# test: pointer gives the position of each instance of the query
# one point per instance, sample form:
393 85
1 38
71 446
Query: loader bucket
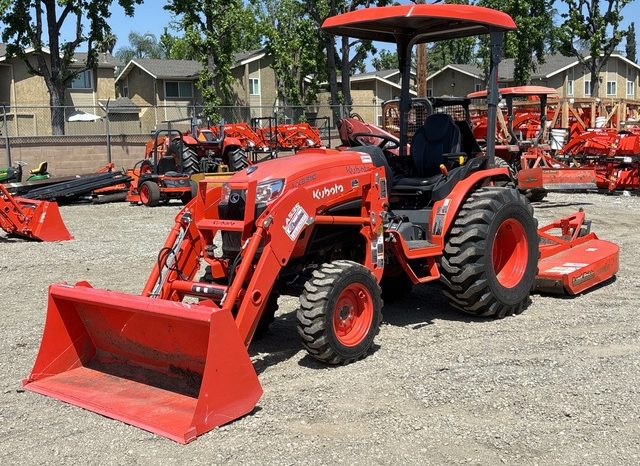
175 369
45 224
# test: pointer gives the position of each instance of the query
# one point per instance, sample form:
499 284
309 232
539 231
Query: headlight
310 143
226 192
251 144
267 191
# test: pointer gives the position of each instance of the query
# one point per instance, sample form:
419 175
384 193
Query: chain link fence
101 124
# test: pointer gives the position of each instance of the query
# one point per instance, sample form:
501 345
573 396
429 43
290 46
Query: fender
445 211
230 143
189 140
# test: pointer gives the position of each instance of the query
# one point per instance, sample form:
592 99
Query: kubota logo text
321 193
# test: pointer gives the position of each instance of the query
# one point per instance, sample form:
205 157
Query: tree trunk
595 82
56 100
333 78
346 75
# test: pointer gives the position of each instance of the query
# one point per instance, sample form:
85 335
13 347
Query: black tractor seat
438 186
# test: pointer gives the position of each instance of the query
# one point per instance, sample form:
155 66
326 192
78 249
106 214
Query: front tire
340 312
491 255
149 194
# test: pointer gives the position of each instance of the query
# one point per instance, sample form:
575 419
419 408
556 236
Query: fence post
5 125
108 132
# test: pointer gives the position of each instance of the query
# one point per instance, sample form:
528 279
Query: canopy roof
517 91
424 23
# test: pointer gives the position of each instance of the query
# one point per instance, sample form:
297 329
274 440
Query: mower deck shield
576 259
175 369
561 179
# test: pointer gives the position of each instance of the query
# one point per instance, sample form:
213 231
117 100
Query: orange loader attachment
174 369
37 220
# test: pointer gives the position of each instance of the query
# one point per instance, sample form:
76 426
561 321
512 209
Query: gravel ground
557 385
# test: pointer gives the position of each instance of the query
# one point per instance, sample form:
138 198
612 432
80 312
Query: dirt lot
559 384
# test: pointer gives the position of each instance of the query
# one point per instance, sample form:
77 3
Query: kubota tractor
202 150
161 177
328 226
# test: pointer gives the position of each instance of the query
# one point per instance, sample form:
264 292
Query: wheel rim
510 253
353 314
144 194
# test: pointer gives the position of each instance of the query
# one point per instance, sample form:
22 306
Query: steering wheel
385 139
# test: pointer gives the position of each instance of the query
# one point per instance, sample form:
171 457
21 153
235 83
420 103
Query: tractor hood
307 167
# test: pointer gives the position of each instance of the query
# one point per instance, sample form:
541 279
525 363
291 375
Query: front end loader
337 229
31 219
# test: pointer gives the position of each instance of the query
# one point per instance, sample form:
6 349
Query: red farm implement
31 219
332 227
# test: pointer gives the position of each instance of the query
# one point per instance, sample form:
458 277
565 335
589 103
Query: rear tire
237 159
340 312
491 255
149 194
189 157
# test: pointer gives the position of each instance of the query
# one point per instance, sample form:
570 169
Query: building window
125 91
82 81
430 92
611 88
254 86
630 88
587 88
570 87
478 87
178 89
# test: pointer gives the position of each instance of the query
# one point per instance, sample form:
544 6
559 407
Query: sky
151 17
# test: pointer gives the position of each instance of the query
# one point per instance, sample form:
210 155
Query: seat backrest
438 136
166 164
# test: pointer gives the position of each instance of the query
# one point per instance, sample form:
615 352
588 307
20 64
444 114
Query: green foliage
385 60
534 37
214 31
630 47
291 40
446 52
588 23
140 46
176 48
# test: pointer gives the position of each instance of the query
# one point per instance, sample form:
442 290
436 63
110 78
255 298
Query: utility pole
421 65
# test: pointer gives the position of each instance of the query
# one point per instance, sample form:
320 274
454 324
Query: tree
347 54
107 44
215 30
385 60
176 48
291 40
140 46
25 21
630 47
533 38
585 22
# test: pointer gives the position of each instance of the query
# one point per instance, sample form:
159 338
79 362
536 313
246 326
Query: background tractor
328 226
161 177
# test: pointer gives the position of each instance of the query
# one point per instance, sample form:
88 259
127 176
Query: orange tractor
205 150
328 226
161 177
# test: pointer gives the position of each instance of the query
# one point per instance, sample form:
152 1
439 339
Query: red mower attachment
38 220
576 260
